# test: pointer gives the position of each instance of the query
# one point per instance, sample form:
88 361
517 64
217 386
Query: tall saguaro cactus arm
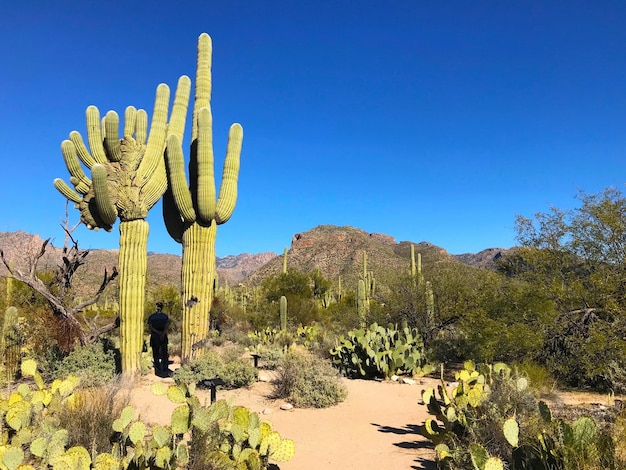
228 190
128 177
192 208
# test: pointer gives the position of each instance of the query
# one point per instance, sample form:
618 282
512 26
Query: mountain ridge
334 250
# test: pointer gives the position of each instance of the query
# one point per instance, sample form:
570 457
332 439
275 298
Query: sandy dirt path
374 428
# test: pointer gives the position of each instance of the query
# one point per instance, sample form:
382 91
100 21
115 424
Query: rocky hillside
20 247
338 251
483 259
335 251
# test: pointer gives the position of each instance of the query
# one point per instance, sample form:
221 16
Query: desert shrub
538 375
618 432
270 355
235 371
91 364
208 366
316 339
587 350
239 373
217 338
308 382
90 421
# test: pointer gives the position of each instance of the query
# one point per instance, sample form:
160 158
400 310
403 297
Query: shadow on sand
419 443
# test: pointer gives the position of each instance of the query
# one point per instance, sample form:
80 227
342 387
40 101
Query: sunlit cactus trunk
198 274
133 263
283 313
192 209
11 342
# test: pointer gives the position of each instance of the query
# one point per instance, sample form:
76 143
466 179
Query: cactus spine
127 178
283 313
192 213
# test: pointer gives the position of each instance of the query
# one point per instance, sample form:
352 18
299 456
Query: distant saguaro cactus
285 261
128 177
283 313
192 213
11 346
362 302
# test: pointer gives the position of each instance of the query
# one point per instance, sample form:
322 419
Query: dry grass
89 424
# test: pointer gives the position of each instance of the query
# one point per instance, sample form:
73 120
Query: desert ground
376 427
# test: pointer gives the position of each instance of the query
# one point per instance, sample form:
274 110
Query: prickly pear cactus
381 352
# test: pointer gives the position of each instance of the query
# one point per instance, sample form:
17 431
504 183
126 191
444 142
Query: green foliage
11 343
208 366
270 355
292 285
169 295
92 364
89 421
491 415
296 288
381 352
283 312
587 349
308 382
239 373
235 371
575 261
34 436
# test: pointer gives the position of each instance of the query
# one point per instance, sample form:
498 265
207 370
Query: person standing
159 323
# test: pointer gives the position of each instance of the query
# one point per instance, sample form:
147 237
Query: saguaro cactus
192 213
285 261
11 346
362 302
368 278
416 267
128 177
283 313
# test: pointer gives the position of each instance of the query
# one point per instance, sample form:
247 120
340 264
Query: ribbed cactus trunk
11 343
133 263
198 274
430 305
283 313
361 302
9 293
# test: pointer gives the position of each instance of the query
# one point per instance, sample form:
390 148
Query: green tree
297 288
575 260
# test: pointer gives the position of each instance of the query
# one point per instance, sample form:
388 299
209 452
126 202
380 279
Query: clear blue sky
425 120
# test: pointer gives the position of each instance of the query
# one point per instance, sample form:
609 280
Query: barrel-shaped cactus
127 177
192 211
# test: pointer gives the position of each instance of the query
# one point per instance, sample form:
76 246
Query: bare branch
73 257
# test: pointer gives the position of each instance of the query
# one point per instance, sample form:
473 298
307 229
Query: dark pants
159 352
